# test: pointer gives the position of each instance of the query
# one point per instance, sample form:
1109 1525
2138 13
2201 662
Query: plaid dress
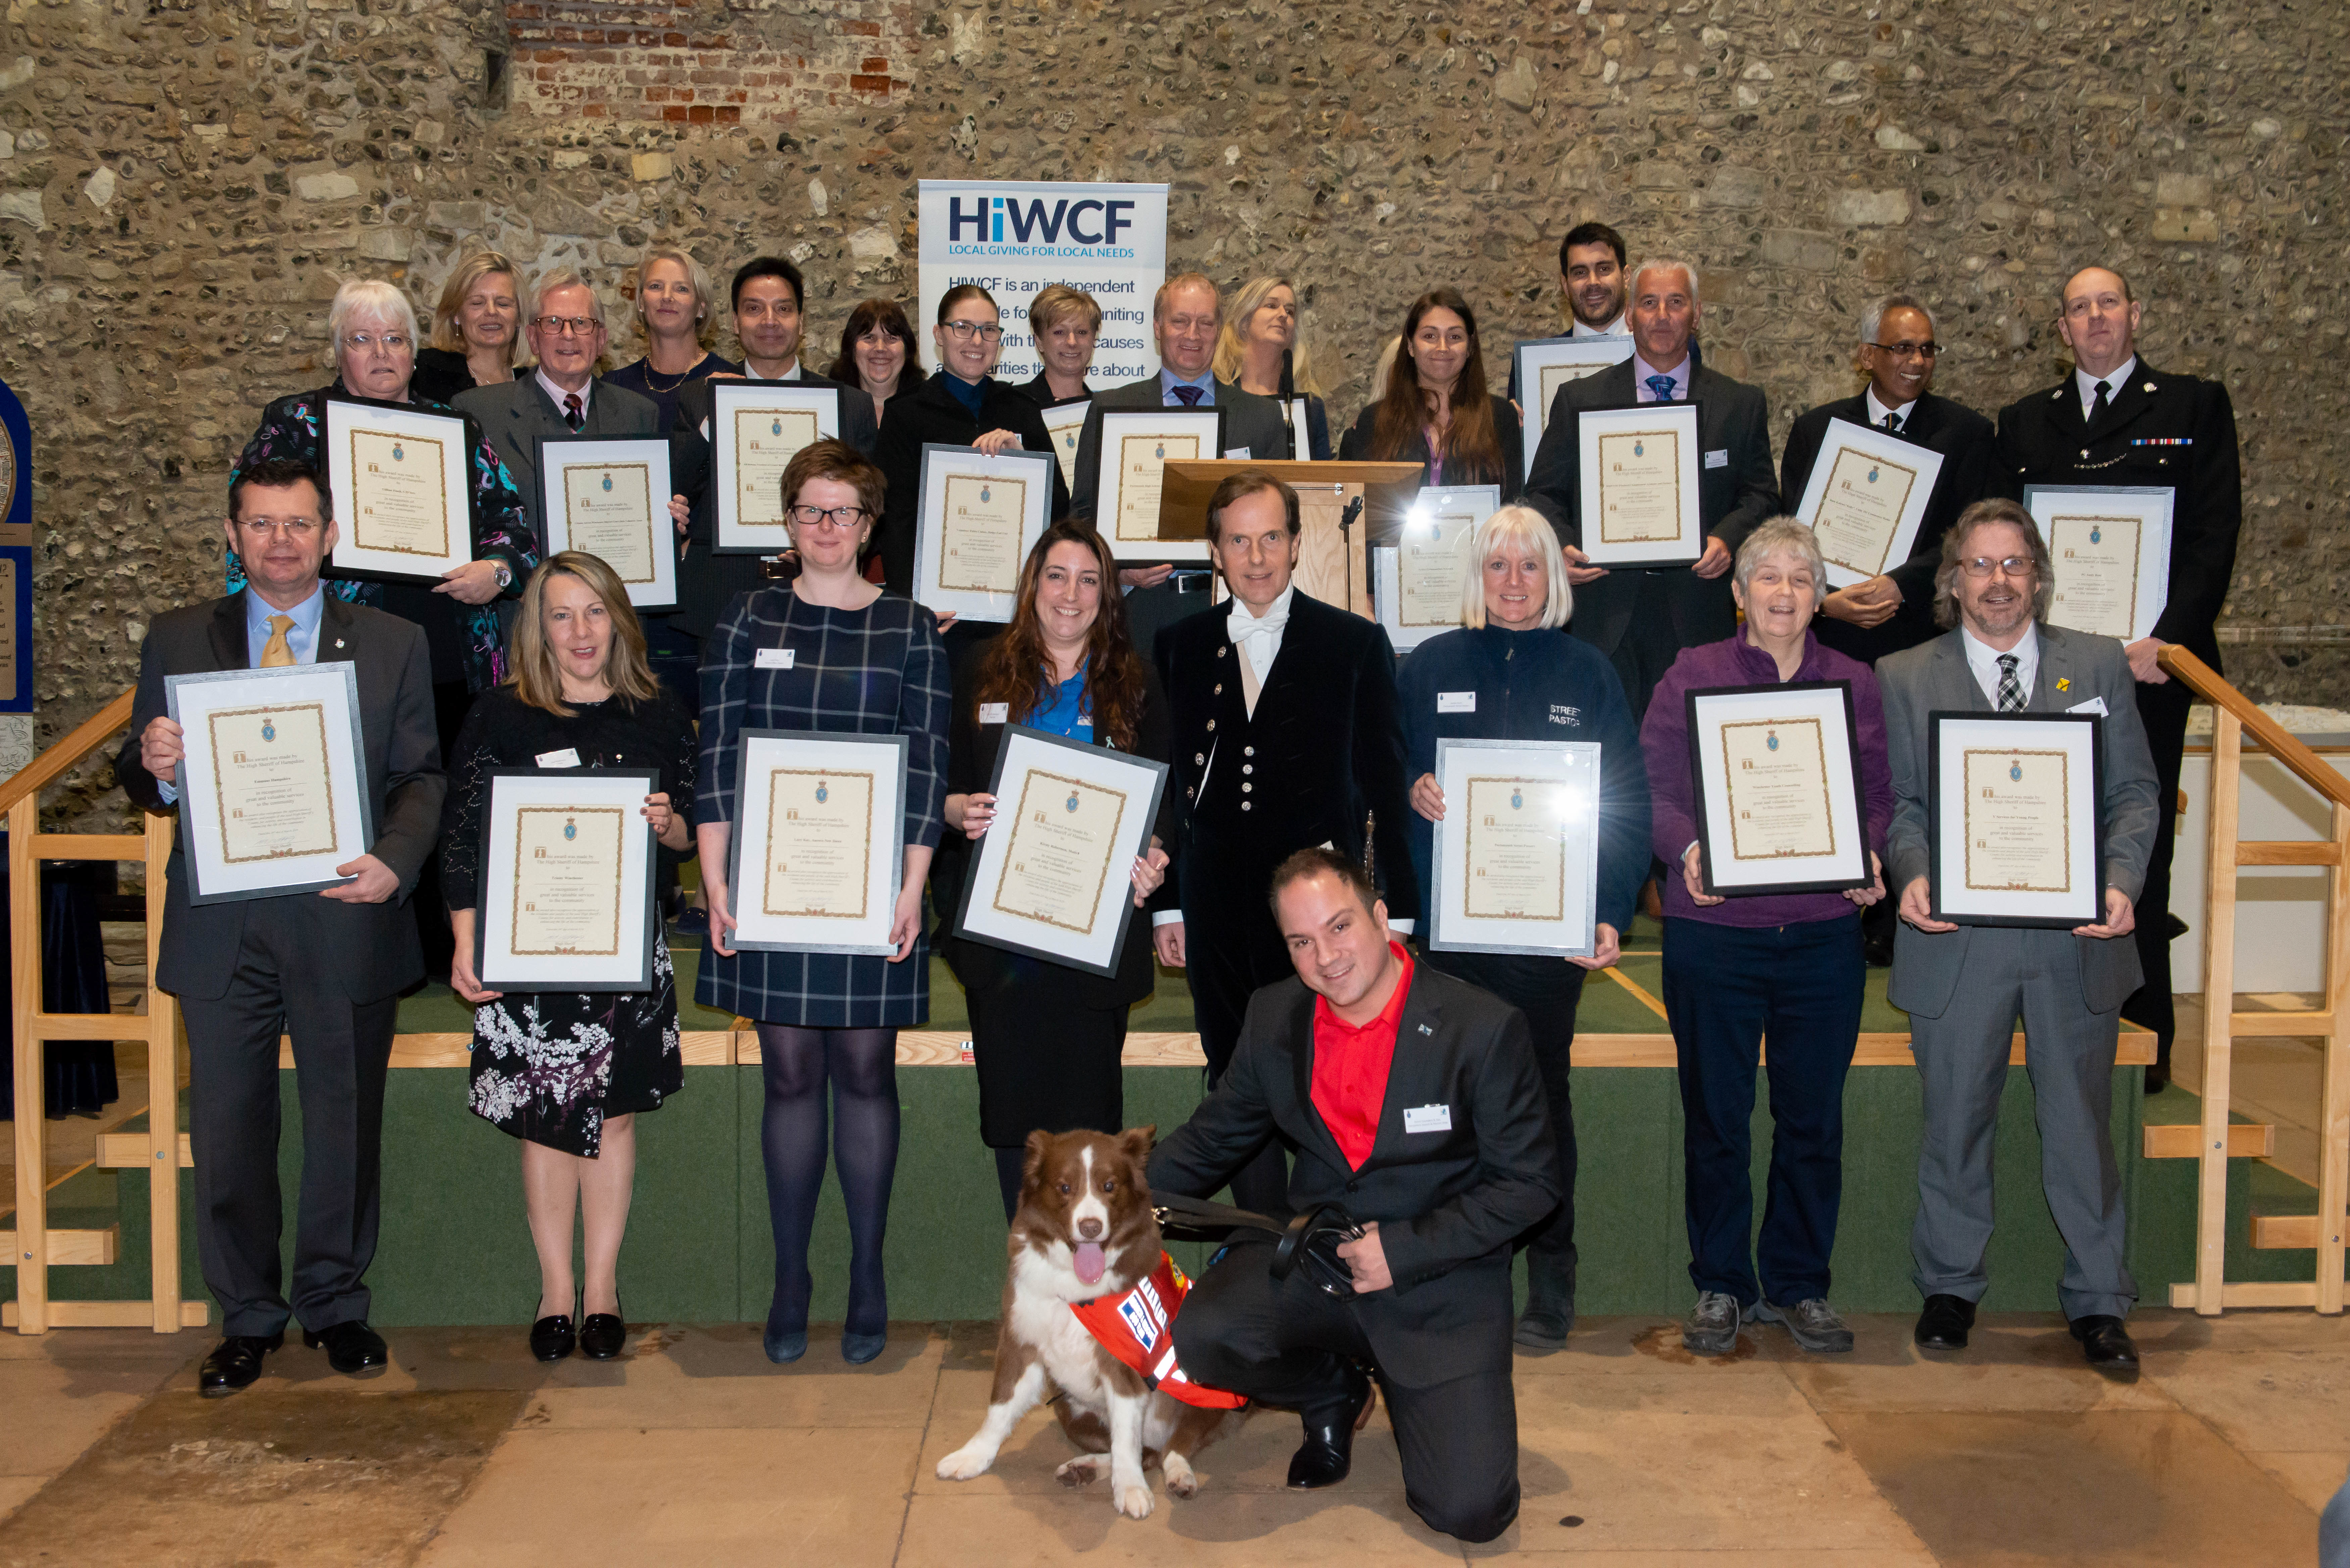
881 671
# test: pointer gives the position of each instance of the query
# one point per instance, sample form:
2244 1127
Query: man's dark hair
1315 862
768 267
277 474
1243 482
1594 233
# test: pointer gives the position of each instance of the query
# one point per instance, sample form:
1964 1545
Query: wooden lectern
1332 565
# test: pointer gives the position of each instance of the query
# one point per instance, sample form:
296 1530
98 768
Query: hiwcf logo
993 219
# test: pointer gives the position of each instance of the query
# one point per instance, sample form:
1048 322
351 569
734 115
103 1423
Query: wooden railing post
32 1251
2218 1009
162 1097
2333 1149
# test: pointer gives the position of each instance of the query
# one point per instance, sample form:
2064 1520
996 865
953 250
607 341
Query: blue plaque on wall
16 558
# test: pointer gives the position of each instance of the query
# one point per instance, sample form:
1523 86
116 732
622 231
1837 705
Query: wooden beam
132 1150
28 1245
2334 1083
2277 1025
167 1313
114 1314
2219 981
2273 737
2286 852
2245 1141
90 846
2246 1294
84 1025
2285 1232
77 1247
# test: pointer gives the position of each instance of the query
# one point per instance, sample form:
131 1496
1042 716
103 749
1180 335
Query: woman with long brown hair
1436 410
877 353
1048 1039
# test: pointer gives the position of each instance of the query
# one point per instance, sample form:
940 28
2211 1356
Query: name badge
1427 1118
772 659
1236 454
1718 459
1456 701
996 712
568 757
2094 705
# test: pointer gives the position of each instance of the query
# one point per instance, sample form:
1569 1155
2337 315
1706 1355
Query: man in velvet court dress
325 968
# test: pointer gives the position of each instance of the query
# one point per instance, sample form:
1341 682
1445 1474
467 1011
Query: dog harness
1136 1327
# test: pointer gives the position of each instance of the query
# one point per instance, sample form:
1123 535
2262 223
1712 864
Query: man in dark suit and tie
325 968
1286 734
1964 985
1642 618
1413 1101
2118 420
1185 317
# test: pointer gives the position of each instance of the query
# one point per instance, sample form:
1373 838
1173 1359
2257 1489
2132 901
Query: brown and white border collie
1084 1230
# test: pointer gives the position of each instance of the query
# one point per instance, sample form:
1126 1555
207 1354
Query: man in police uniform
2118 420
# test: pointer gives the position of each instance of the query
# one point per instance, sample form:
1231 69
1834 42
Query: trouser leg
1279 1342
1459 1442
2163 708
1962 1067
232 1132
1716 992
1814 1023
1227 963
342 1052
2069 1055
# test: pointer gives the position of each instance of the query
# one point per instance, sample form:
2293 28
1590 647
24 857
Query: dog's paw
1081 1472
1183 1480
1134 1499
965 1462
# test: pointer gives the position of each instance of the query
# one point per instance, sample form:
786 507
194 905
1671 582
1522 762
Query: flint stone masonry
1808 155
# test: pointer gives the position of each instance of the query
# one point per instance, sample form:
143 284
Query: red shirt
1350 1068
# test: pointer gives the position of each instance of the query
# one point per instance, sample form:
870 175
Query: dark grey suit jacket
2076 668
1732 500
516 415
370 948
1250 420
1448 1200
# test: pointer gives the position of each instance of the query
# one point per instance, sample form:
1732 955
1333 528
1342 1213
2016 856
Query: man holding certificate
1963 983
326 968
2118 421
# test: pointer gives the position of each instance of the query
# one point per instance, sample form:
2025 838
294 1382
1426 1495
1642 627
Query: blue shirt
968 393
302 636
1065 714
1169 380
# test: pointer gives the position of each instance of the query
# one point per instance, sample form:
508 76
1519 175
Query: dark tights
862 1066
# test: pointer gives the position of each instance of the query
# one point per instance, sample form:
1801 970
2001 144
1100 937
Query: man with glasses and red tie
2118 420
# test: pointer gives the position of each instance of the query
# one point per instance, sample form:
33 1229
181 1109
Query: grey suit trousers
1962 1058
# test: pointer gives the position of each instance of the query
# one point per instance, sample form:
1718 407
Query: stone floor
695 1450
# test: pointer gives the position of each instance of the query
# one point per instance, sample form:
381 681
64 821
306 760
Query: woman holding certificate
829 652
1510 674
1785 964
1047 1038
1436 410
566 1071
1261 329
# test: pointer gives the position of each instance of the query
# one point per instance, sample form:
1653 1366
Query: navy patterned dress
881 671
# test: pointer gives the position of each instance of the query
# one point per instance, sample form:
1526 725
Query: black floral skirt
549 1066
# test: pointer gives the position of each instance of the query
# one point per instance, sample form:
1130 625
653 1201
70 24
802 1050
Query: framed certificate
1640 484
2111 549
818 851
1051 876
1775 779
980 517
1416 575
400 481
1516 866
2013 818
1546 364
1136 444
756 427
609 496
566 897
1865 500
273 789
1066 424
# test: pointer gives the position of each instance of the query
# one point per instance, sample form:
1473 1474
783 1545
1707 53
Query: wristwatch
505 575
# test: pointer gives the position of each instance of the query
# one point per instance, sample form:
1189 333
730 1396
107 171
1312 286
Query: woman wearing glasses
964 405
830 652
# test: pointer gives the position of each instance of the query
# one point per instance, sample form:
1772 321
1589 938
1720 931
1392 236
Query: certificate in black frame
1698 728
646 782
2095 723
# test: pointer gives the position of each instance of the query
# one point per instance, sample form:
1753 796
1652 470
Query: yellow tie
275 654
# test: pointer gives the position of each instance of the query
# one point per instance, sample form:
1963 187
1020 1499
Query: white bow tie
1241 626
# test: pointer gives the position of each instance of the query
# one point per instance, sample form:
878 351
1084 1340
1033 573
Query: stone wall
183 181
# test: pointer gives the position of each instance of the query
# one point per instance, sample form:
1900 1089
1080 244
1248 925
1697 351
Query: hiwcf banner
1015 238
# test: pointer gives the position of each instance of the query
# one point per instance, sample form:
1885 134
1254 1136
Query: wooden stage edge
947 1048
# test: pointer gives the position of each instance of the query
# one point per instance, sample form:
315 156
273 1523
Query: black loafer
601 1335
552 1337
352 1348
2106 1343
1944 1323
234 1363
1328 1451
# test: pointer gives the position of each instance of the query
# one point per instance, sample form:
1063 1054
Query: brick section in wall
741 62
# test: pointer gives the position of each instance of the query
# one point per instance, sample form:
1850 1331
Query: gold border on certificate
241 779
1041 817
1738 757
1151 470
1611 441
573 472
2060 552
433 510
1443 607
1017 509
765 471
2016 795
780 811
1822 519
1489 812
1065 423
571 831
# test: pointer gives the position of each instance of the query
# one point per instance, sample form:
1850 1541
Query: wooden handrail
51 764
2278 741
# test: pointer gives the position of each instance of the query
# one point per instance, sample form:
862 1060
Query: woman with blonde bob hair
566 1071
1264 319
476 328
1524 679
673 310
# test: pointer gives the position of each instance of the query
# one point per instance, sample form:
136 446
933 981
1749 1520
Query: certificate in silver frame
399 480
756 427
1866 471
1147 438
998 508
1540 828
2110 549
1652 514
531 816
607 496
847 790
1546 364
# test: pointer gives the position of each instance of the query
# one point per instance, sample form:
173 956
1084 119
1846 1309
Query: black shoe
352 1348
552 1337
2157 1078
1943 1324
234 1363
1328 1451
2106 1343
1544 1325
602 1334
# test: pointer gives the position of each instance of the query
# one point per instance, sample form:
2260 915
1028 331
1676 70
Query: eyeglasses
963 330
566 326
1981 566
1925 350
834 516
295 528
390 342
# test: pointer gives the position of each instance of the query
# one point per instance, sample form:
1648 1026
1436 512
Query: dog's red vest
1136 1328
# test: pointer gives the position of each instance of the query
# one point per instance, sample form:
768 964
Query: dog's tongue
1091 1262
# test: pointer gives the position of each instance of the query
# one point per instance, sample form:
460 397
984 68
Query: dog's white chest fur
1072 1357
